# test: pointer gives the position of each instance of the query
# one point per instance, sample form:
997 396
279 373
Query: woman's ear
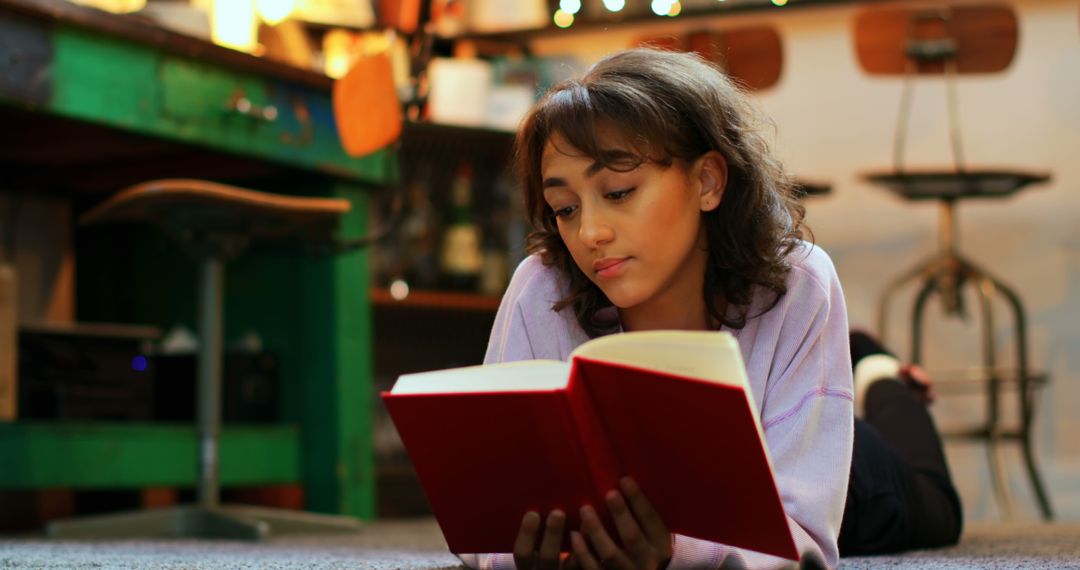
712 179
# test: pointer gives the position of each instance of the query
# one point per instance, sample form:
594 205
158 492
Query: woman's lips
609 266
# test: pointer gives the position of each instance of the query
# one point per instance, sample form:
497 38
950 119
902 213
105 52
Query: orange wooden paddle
366 105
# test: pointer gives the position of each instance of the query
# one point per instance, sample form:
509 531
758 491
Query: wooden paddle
366 105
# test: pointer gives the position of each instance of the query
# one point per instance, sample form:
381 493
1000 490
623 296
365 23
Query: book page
712 356
525 376
706 355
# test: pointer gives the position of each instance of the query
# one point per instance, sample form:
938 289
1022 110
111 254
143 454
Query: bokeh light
563 19
614 5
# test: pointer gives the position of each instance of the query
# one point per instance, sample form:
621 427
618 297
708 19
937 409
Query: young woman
657 205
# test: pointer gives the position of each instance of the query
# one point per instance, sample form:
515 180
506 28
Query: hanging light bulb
614 5
563 19
570 6
233 24
661 7
274 12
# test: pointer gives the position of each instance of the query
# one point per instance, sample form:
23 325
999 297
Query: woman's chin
621 298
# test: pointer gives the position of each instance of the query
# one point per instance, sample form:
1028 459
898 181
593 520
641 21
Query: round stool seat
953 185
219 219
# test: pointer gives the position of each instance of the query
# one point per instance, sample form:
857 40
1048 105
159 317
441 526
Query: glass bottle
461 258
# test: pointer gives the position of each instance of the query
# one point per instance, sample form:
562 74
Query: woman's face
637 234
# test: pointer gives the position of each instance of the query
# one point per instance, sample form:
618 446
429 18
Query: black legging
901 496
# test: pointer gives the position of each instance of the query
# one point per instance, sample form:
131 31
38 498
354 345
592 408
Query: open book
672 409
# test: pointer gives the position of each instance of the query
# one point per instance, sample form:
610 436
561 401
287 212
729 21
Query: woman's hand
529 556
645 538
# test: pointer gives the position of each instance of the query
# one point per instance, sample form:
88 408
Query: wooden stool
946 273
214 223
949 41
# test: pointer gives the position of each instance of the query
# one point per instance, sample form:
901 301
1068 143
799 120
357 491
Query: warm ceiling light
780 2
563 19
233 24
676 9
570 6
274 12
114 6
614 5
661 7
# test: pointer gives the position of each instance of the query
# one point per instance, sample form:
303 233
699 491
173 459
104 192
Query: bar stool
214 223
934 41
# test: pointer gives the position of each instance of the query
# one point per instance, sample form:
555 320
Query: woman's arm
807 416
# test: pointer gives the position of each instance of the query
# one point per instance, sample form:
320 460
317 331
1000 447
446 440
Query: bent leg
900 496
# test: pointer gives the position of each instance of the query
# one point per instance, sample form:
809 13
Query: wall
835 122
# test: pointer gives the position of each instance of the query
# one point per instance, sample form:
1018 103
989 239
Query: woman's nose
595 229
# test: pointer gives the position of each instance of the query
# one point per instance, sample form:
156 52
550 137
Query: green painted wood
124 84
313 313
104 455
339 469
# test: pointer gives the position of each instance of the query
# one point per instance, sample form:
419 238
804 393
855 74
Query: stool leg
984 287
1027 410
925 268
209 380
916 320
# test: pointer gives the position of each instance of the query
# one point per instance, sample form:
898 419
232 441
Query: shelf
441 300
115 455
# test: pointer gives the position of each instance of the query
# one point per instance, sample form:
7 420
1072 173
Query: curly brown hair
672 106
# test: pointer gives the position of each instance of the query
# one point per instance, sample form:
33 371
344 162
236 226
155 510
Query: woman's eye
564 212
619 195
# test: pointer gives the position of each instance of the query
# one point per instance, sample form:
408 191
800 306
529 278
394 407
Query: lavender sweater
799 367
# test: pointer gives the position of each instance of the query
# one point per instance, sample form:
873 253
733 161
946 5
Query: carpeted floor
418 545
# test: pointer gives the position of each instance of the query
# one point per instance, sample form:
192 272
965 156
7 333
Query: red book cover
488 456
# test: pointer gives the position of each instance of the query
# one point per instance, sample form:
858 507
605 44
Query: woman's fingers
633 539
607 554
656 532
581 554
525 543
551 544
526 554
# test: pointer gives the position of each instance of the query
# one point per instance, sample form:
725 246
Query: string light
564 16
614 5
661 7
563 19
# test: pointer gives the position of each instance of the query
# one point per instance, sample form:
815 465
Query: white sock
870 369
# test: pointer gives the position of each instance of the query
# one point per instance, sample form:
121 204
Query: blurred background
98 326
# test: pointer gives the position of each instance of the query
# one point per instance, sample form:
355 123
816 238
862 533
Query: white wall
834 122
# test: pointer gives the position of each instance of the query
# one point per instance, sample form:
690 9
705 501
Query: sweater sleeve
807 417
526 327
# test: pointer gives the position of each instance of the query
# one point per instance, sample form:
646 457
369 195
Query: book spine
604 465
8 343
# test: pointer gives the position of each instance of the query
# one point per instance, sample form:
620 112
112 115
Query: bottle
419 237
496 270
461 259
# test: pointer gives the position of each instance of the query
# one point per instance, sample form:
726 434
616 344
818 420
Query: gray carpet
418 545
